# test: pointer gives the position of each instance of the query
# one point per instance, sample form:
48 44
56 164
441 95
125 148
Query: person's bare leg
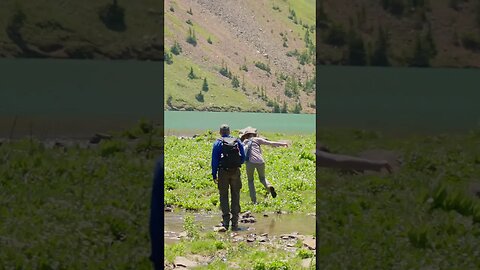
329 160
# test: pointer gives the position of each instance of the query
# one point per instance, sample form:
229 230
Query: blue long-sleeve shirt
156 216
217 153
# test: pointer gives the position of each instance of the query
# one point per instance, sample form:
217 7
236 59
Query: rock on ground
184 262
310 243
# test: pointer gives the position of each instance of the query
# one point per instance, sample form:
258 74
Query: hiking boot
235 226
223 224
272 191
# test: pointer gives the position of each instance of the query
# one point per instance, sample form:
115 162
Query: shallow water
398 99
273 224
75 98
191 122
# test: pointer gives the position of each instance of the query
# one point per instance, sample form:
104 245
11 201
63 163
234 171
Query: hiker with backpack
227 157
255 161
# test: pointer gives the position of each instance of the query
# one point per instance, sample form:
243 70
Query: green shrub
190 227
225 72
418 237
168 58
291 87
199 97
293 53
109 148
303 58
235 82
305 253
146 127
176 48
263 66
278 265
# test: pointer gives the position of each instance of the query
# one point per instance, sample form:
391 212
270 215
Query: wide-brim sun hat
248 130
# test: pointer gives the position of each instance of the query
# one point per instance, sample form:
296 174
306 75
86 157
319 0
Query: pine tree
199 97
276 107
191 75
357 55
168 58
176 48
421 55
235 82
379 57
298 108
285 107
430 42
192 39
205 85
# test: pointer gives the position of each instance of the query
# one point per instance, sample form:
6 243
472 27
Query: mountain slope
421 33
247 38
86 29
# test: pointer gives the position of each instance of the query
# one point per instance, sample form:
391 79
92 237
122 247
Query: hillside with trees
415 33
106 29
256 56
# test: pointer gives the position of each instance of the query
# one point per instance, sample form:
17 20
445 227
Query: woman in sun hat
254 159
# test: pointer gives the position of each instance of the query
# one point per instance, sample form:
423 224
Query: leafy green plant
108 148
190 226
305 253
419 237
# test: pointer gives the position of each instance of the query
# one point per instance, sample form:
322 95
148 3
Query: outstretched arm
271 143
